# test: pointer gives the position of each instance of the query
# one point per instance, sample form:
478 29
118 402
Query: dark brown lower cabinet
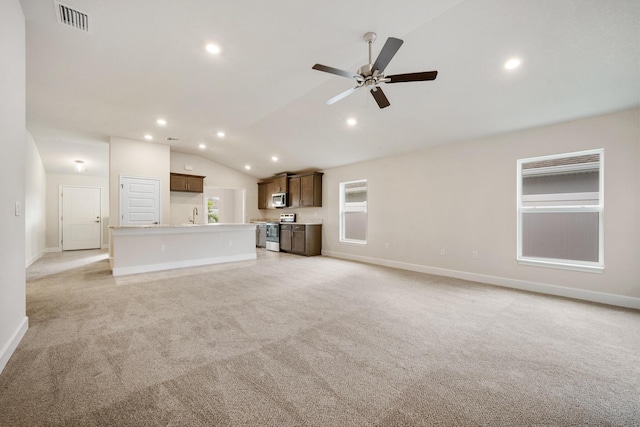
286 231
301 239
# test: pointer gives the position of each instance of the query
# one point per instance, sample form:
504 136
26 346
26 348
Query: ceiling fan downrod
370 37
366 71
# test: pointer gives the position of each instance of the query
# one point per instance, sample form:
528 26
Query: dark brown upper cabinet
305 190
186 183
262 195
280 183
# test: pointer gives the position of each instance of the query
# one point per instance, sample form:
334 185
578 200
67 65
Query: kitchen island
144 248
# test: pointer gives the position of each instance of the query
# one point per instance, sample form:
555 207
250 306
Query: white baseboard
34 259
544 288
8 349
58 249
121 271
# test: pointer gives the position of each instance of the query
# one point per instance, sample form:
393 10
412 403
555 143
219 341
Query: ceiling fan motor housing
366 71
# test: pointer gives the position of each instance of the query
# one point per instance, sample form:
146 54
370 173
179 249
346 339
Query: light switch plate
18 208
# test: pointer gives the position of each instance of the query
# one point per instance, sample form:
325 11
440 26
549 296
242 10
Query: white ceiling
145 59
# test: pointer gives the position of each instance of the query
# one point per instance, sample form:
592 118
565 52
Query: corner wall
34 203
139 159
462 197
13 139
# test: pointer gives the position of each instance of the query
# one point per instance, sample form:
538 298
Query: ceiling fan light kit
372 74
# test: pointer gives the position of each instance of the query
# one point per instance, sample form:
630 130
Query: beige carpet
294 341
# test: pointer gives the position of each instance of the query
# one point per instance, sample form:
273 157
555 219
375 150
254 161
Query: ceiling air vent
72 17
172 139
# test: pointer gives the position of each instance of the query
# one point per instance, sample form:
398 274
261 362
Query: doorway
139 200
224 205
80 218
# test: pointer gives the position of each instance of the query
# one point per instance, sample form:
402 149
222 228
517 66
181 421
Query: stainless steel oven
273 236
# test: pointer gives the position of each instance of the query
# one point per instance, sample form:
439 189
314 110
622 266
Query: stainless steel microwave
279 200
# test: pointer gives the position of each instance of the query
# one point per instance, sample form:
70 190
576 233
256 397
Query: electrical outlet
162 248
230 242
386 245
443 252
475 254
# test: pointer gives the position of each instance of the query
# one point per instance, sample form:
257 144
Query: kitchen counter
186 225
145 248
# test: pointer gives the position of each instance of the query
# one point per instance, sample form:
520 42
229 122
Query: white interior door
139 201
81 218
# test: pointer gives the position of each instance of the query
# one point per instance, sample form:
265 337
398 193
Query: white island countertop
145 248
121 227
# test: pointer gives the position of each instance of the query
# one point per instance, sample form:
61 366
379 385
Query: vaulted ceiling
144 60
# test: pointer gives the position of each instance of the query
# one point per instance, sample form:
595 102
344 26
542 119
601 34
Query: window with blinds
353 212
560 211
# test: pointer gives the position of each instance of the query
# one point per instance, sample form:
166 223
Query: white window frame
353 207
586 266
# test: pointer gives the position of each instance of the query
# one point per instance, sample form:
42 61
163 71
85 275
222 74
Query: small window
213 213
560 211
353 212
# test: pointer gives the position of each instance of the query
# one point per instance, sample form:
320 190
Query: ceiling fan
372 74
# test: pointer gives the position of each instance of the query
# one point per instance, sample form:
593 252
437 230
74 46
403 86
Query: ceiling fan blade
336 71
387 53
412 77
344 94
380 98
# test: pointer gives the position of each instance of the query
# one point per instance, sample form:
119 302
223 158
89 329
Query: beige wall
138 159
35 201
54 181
13 138
462 197
218 176
182 205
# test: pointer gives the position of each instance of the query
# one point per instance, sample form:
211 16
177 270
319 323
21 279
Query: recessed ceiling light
220 134
202 146
148 137
212 48
513 63
247 167
274 158
161 122
352 122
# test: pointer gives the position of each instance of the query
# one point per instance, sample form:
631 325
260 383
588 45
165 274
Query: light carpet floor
293 341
